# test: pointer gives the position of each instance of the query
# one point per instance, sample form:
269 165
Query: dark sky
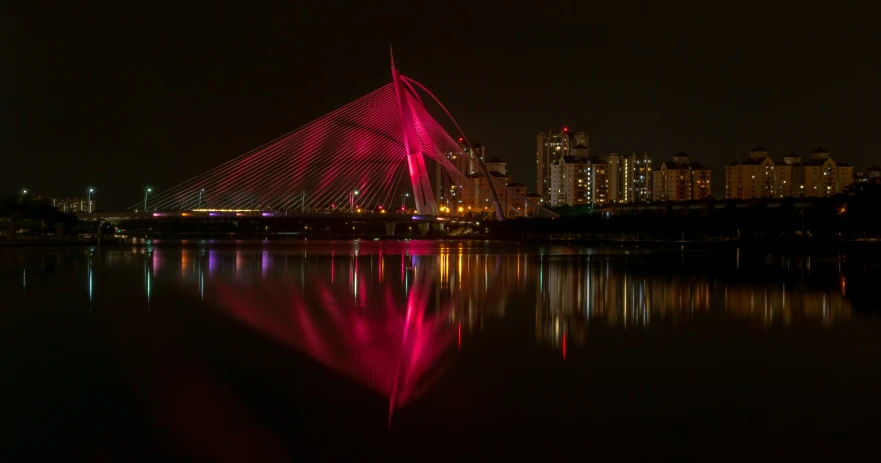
123 94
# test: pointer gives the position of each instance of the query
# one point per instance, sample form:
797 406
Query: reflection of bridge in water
390 320
391 314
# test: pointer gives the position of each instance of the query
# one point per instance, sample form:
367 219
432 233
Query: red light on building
566 129
461 139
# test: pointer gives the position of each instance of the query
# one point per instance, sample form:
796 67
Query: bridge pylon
425 202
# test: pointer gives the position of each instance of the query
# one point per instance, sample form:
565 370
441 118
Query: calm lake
422 350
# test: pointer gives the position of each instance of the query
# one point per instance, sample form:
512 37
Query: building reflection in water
773 304
391 315
575 291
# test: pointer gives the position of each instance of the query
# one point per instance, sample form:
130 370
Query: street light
24 191
91 190
146 191
405 195
352 200
200 197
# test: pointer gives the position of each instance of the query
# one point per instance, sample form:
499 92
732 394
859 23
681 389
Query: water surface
435 349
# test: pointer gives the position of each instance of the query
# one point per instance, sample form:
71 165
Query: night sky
124 94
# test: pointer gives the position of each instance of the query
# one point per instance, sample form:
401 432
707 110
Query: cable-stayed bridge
353 159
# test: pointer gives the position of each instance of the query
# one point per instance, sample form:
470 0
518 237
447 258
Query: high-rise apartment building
551 147
570 182
755 177
477 197
600 181
465 160
583 179
630 177
700 180
580 180
680 180
617 177
641 165
761 177
820 176
448 192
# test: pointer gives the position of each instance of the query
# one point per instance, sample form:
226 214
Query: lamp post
200 197
91 190
24 191
403 206
352 200
146 191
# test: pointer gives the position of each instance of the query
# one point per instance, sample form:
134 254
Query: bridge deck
362 216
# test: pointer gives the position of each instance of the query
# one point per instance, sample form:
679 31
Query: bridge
355 158
390 220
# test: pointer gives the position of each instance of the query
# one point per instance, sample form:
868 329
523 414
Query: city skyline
627 184
257 231
168 84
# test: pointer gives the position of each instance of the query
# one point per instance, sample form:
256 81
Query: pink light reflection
388 342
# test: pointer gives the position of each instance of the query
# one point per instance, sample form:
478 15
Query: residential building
630 177
496 165
517 200
467 164
617 177
477 198
74 205
759 176
580 180
680 180
448 191
700 176
570 182
551 147
820 176
640 188
783 179
750 178
599 173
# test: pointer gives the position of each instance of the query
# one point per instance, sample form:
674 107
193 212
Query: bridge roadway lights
390 228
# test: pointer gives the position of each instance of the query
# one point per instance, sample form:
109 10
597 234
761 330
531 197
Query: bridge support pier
423 228
390 229
439 226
